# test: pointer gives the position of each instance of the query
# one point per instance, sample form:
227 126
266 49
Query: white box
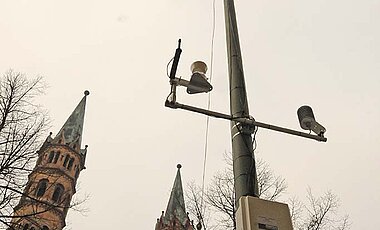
257 214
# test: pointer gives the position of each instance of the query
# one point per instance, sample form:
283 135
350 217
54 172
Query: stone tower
175 217
51 184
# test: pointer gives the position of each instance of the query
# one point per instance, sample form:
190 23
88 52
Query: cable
208 106
254 141
167 67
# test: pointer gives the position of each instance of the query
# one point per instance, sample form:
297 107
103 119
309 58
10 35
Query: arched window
66 160
45 228
58 193
51 156
56 157
26 226
41 187
70 163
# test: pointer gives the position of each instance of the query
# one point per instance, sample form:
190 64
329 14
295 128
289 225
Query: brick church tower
175 217
51 184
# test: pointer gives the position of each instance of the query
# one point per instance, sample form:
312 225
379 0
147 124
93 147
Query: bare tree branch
319 213
220 196
23 125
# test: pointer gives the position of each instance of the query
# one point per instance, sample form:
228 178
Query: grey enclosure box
257 214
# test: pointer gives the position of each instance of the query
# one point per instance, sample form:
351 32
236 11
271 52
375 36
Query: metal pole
244 166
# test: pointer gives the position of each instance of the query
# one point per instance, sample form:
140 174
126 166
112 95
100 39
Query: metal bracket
245 128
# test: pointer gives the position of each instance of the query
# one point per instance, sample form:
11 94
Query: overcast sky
322 53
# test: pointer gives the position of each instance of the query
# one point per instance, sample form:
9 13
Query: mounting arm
247 121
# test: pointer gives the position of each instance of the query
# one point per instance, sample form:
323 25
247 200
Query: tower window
45 228
70 163
57 154
66 160
51 156
58 193
41 187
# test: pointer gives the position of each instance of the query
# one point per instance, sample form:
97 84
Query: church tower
175 217
51 184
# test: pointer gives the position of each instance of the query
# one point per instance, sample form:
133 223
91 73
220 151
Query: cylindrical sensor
199 66
305 117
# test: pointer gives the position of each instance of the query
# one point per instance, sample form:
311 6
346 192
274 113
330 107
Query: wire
208 106
252 157
167 67
254 141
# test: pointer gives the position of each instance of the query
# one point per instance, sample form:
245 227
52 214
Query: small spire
48 140
71 131
176 205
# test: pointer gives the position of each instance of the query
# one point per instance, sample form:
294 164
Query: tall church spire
71 131
175 217
176 205
52 183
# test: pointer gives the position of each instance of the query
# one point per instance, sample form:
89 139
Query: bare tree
319 213
271 186
219 197
195 205
22 124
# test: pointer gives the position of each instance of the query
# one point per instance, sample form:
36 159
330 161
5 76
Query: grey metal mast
244 166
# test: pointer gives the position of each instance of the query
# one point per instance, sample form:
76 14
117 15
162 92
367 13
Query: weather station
252 213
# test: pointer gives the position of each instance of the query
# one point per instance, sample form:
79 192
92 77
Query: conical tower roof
176 206
71 131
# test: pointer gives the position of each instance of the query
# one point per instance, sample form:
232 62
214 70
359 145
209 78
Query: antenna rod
177 55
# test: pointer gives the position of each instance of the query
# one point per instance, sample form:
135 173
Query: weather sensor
307 120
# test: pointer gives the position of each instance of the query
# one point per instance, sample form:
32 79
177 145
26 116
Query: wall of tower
51 185
48 218
50 188
61 157
174 224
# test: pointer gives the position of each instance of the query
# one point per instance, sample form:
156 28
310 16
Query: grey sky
322 53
